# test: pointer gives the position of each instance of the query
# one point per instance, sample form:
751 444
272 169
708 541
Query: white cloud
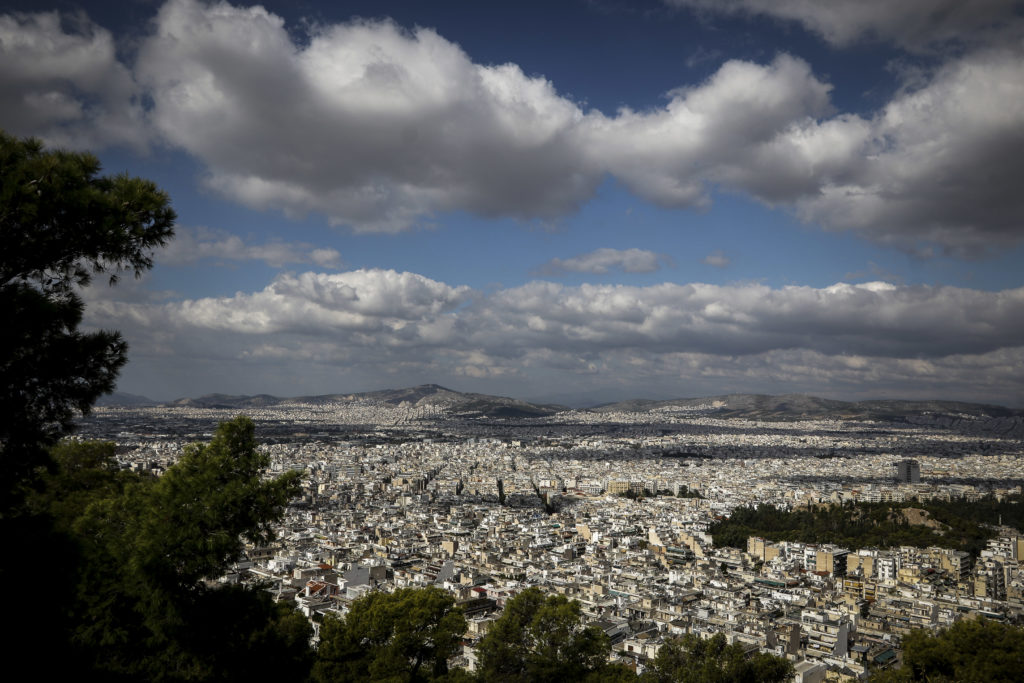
708 133
601 261
941 163
191 245
367 123
398 306
377 127
64 84
872 318
912 24
843 338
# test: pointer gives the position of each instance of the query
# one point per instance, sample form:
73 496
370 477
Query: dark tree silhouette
61 223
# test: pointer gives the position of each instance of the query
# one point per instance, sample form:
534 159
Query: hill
969 417
470 404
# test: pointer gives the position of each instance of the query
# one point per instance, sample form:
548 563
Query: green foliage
60 223
872 524
193 518
408 635
144 546
125 554
970 650
612 673
691 659
84 471
540 638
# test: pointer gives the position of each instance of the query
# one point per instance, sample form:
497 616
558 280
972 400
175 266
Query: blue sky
575 201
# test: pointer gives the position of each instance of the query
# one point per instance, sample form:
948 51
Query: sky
574 202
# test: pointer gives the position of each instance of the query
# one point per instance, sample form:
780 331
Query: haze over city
573 202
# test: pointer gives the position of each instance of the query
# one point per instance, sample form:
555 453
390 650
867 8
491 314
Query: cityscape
589 341
613 508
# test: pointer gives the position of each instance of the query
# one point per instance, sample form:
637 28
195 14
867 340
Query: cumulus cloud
940 164
377 127
710 133
601 261
60 80
191 245
872 318
399 306
845 337
369 124
875 272
911 24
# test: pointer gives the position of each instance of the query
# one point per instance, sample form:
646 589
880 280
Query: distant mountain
457 401
228 401
426 394
796 405
122 400
967 417
954 414
740 405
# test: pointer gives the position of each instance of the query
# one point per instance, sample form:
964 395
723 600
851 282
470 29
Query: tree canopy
691 659
541 638
61 222
408 635
141 608
966 524
123 595
969 650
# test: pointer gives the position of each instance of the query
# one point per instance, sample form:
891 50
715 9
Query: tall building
908 472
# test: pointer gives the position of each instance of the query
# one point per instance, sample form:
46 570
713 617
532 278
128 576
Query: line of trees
969 650
966 525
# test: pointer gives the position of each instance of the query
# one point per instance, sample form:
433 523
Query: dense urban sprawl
613 509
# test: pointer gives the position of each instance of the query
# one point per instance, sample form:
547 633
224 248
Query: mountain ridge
751 406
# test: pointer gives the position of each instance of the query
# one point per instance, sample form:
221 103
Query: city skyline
596 202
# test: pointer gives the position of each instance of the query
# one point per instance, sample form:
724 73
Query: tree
691 659
540 638
60 224
126 553
969 650
142 608
408 635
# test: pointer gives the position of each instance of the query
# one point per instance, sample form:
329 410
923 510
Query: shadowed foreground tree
691 659
408 635
541 638
122 594
60 224
142 609
969 650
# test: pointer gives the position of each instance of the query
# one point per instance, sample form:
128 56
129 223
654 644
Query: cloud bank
378 128
862 339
